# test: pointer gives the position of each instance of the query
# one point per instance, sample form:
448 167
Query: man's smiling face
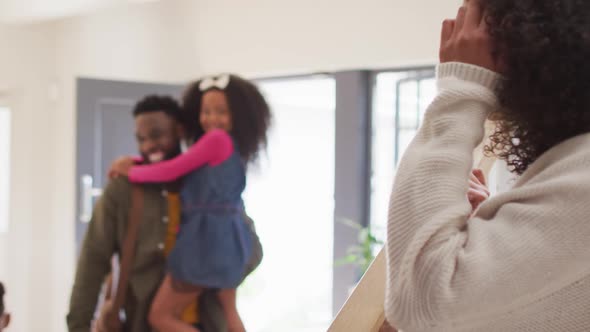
158 136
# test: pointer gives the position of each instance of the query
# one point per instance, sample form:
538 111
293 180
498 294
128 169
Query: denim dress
213 243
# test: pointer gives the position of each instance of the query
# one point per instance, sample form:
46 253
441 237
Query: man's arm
95 259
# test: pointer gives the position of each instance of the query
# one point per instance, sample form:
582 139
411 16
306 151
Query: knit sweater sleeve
446 271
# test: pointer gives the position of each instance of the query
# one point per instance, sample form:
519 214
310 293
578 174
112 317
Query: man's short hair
157 103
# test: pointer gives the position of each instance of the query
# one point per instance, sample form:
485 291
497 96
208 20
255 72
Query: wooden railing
363 311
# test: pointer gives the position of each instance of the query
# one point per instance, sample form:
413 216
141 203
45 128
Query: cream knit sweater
522 263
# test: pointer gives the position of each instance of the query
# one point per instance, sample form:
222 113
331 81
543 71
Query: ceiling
32 11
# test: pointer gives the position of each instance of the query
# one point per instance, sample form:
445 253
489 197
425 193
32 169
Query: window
400 100
4 168
290 196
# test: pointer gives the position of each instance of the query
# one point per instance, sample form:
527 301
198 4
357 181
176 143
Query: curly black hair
251 116
157 103
544 51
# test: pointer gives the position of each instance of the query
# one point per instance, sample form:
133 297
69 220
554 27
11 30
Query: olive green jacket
104 238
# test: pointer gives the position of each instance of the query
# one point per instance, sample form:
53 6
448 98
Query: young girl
228 118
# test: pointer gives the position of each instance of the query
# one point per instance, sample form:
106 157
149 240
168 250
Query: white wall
23 11
176 40
26 251
269 36
166 41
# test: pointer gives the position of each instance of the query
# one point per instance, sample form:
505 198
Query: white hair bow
220 83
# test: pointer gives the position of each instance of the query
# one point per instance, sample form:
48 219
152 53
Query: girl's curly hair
251 115
543 47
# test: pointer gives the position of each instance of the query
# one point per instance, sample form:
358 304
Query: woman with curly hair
521 261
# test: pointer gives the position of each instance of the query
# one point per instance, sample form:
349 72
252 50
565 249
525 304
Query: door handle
88 193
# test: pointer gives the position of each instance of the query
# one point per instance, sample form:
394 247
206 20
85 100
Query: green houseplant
361 254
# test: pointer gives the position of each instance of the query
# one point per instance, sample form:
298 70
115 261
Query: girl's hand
466 39
121 166
478 190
